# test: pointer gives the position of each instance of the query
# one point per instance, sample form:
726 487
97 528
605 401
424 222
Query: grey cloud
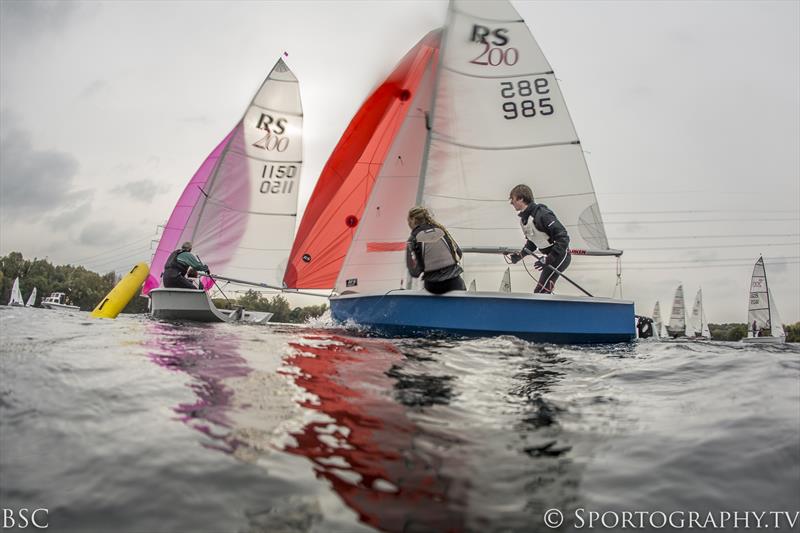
70 217
143 190
102 234
32 180
94 89
31 19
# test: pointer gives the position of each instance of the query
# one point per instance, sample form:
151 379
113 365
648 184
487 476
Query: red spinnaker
340 196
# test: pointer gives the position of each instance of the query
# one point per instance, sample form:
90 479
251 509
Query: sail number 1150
278 179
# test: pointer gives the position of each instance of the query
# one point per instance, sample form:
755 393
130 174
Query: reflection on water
418 435
210 358
368 448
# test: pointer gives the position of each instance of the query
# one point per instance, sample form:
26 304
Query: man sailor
180 266
543 231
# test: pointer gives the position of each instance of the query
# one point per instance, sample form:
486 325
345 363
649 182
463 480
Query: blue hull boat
535 317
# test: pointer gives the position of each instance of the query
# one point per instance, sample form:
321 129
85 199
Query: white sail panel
498 124
463 193
245 226
776 325
31 299
657 321
376 258
16 295
490 33
758 307
698 323
677 318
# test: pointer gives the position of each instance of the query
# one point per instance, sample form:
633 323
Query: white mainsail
489 116
699 324
761 310
16 295
239 209
500 120
657 321
505 284
31 299
677 319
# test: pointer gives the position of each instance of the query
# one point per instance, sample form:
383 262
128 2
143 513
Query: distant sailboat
505 285
677 319
699 324
658 323
31 299
763 321
239 208
472 286
16 296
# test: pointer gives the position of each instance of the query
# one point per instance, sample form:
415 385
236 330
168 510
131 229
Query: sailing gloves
515 257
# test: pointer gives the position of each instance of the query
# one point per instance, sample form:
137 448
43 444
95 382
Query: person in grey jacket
432 253
542 231
180 265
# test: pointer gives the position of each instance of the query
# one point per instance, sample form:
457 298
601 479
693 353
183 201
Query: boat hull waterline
196 305
537 317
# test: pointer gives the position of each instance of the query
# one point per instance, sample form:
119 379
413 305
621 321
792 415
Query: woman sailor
431 251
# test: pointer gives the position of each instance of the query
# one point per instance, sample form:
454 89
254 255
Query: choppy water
138 425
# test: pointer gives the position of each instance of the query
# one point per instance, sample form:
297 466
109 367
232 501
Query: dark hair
522 192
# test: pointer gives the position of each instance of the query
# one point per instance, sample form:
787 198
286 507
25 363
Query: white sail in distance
505 284
761 311
677 318
31 299
699 324
657 321
16 295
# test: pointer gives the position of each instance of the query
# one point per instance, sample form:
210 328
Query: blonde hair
419 215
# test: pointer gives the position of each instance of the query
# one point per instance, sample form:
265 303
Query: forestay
239 208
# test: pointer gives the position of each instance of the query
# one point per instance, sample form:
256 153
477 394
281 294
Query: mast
430 115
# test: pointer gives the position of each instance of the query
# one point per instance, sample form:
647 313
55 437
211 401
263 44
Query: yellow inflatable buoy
116 300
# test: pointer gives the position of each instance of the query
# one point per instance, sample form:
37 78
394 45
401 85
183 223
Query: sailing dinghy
31 299
240 207
454 128
677 318
16 296
763 322
699 324
658 323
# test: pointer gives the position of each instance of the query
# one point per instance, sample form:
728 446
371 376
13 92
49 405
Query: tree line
85 288
735 332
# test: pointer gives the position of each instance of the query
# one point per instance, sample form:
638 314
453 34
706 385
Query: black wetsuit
556 248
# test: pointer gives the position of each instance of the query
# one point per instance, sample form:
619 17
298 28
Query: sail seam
468 75
543 145
253 104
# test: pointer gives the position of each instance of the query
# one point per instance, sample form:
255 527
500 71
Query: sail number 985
530 104
278 179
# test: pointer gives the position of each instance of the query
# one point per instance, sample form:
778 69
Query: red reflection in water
369 451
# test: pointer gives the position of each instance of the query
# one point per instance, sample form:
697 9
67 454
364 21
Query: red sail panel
340 196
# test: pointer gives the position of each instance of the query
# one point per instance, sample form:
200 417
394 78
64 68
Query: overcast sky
687 110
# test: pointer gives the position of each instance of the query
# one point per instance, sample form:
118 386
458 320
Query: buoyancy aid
436 250
173 263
